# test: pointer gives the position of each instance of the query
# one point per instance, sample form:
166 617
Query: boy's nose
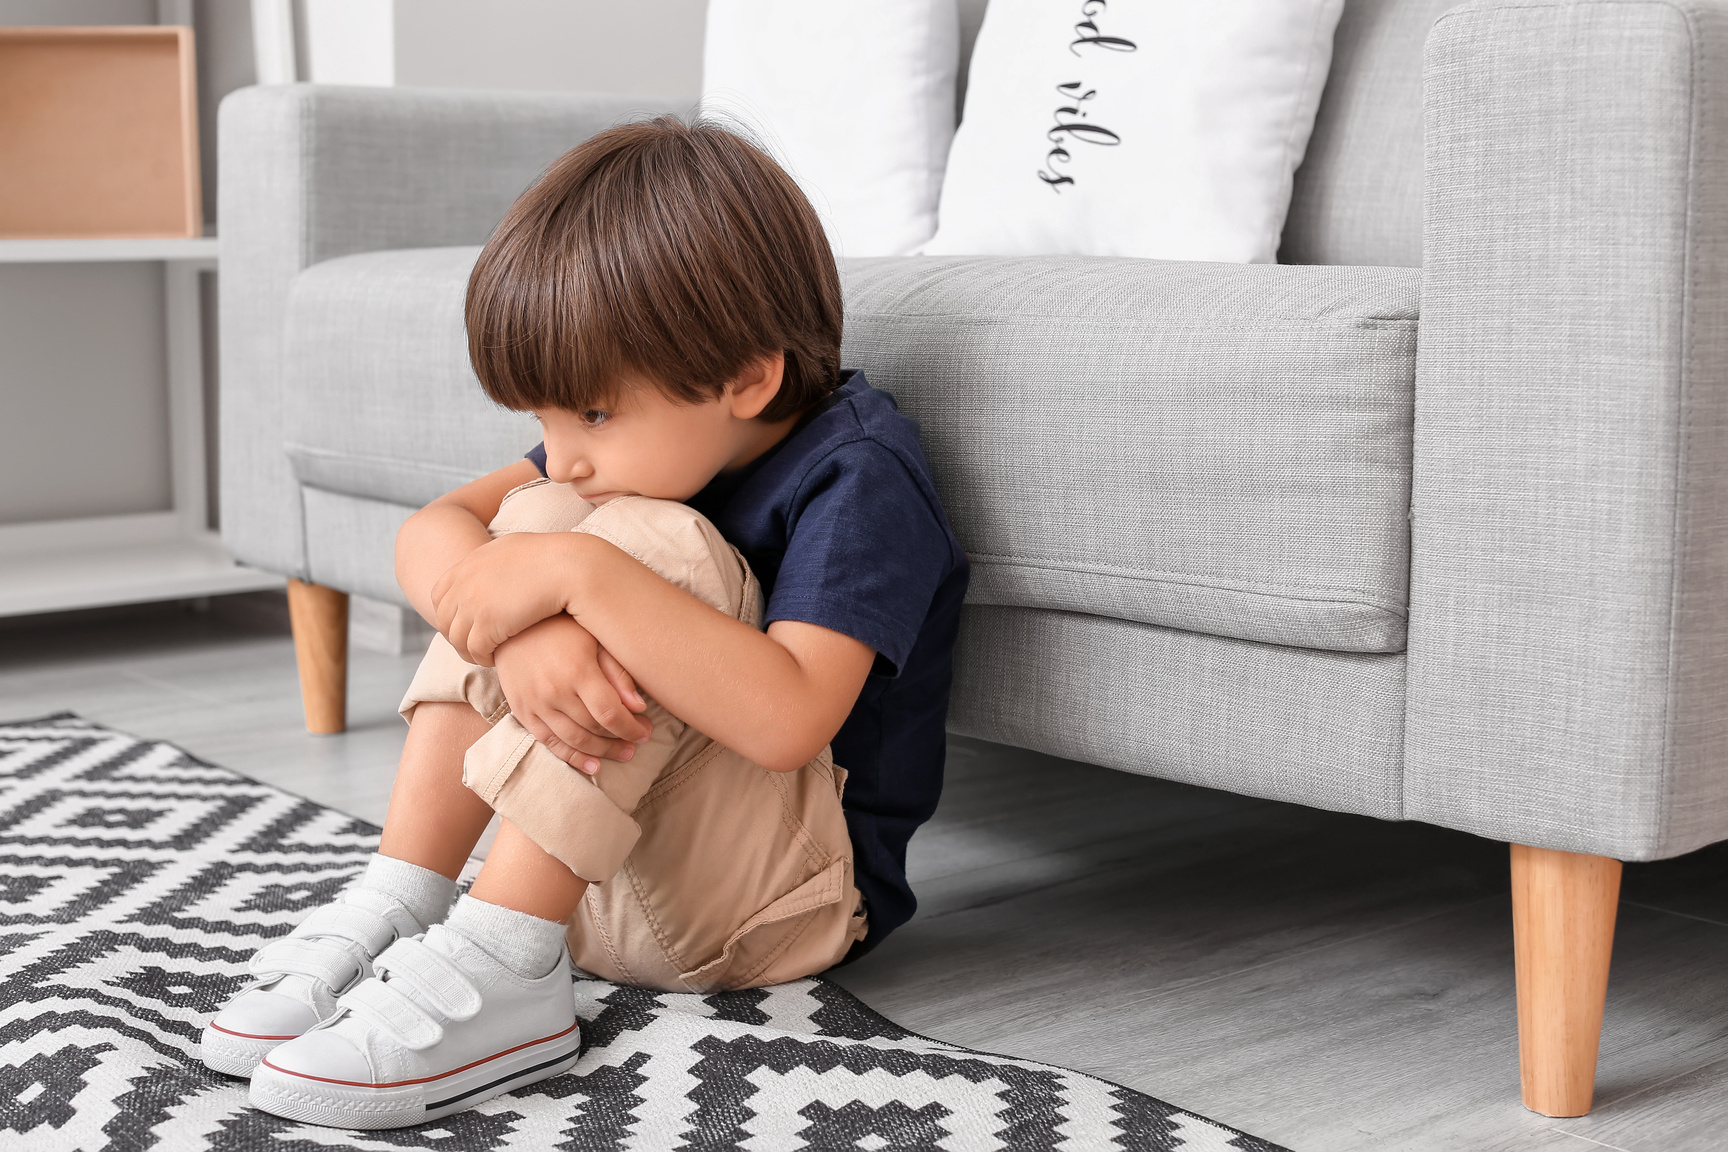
567 469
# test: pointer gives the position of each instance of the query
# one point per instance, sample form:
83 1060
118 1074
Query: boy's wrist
577 558
583 559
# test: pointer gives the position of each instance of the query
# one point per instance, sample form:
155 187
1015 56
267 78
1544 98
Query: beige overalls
706 871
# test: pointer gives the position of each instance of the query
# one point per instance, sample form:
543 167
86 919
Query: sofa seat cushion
379 399
1217 448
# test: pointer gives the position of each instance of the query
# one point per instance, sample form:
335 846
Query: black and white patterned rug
135 880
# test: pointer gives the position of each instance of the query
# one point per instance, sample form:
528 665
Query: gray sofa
1427 523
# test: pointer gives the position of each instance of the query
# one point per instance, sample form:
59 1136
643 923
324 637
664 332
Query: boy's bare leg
479 1004
520 875
433 825
434 821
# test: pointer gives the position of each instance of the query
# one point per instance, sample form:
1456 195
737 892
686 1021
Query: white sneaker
442 1027
299 977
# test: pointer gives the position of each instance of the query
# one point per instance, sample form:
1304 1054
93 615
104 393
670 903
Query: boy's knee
682 545
540 506
671 539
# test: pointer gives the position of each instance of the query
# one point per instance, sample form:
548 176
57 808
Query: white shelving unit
197 253
51 565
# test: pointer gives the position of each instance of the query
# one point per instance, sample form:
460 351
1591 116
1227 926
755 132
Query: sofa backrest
1358 194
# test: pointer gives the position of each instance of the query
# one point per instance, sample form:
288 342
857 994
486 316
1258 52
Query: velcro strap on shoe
325 960
432 976
384 1007
367 929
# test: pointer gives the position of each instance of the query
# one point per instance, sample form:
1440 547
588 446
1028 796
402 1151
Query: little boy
665 302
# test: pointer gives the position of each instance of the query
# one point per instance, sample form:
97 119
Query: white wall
348 42
634 47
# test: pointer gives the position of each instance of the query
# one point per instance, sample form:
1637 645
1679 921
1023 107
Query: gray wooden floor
1328 982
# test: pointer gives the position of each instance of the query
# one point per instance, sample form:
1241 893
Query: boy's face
646 444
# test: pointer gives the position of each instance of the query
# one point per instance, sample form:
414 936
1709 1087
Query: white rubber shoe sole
235 1053
347 1104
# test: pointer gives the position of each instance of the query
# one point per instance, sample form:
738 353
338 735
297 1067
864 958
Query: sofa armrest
309 173
1568 652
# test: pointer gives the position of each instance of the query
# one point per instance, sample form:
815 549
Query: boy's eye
594 417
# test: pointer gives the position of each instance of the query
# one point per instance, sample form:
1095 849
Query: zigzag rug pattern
135 880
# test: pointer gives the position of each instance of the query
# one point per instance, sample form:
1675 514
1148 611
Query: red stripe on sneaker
249 1035
424 1079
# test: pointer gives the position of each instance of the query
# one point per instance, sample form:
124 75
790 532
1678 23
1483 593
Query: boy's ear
756 385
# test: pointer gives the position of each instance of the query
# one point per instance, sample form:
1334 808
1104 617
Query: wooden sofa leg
319 618
1563 906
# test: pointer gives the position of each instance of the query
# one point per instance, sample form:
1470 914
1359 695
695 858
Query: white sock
527 945
425 893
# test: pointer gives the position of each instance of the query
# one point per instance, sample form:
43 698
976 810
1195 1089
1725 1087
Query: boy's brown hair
672 251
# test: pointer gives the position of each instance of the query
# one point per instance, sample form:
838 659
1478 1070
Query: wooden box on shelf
99 132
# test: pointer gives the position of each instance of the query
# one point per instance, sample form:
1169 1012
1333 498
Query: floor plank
1691 885
1327 981
1688 1111
219 683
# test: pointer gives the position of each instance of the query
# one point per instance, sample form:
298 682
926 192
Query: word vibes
1071 122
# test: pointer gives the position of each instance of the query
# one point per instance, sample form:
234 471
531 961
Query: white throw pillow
855 98
1161 128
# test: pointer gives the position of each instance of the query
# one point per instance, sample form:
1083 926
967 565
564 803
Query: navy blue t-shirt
842 525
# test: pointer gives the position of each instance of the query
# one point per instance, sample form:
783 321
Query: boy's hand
498 590
570 694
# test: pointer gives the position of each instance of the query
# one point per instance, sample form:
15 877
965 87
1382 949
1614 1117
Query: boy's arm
565 692
449 528
775 698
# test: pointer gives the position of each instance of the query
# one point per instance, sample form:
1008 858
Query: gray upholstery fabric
1321 728
1192 393
351 543
1216 447
1569 617
1358 194
1185 487
380 399
311 173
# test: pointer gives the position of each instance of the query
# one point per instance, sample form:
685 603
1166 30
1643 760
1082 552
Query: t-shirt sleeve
865 552
538 455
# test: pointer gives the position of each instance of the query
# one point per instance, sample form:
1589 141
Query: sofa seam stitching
1248 587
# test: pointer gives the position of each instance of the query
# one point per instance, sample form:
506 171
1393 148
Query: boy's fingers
567 736
561 731
609 713
481 644
557 745
619 721
582 741
543 735
580 761
458 637
444 606
622 682
578 741
465 637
